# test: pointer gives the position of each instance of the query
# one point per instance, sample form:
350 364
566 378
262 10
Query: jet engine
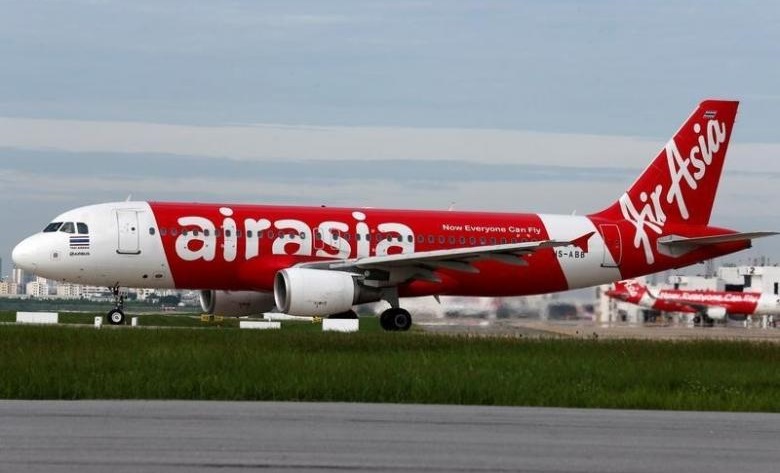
312 292
716 313
236 303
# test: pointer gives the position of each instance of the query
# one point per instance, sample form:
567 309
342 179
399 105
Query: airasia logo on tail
683 172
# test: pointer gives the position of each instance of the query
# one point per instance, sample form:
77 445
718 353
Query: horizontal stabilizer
675 245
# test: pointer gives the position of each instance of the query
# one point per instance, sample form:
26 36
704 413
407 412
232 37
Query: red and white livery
715 305
304 261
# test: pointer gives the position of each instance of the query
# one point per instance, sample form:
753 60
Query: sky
543 106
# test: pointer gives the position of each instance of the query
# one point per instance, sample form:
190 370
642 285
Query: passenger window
151 230
52 227
431 239
389 237
174 231
503 240
163 231
303 235
238 233
420 238
357 236
462 240
249 233
82 228
409 238
217 232
194 233
227 233
452 240
68 227
270 234
442 239
493 240
472 241
206 232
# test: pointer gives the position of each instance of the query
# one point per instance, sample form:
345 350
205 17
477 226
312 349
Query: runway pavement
173 436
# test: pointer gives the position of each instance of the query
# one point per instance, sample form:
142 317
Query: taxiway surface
174 436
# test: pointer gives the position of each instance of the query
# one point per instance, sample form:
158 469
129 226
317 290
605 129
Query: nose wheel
395 320
116 316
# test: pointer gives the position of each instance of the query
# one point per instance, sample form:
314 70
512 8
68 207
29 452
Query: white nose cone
24 255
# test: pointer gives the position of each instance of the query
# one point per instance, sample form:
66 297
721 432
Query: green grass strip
307 365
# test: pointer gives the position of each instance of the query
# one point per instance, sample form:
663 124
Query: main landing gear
116 316
395 319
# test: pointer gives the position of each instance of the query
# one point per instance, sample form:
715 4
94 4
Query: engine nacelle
312 292
716 313
236 303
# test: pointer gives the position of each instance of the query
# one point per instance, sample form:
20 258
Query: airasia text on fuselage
328 239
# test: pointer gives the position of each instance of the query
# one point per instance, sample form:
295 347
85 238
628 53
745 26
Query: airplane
322 261
706 304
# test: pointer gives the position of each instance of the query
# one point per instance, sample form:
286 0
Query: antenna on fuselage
129 197
451 207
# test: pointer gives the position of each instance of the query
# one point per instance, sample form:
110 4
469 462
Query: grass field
302 363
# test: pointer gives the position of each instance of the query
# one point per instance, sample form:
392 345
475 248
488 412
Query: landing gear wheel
115 317
350 314
395 320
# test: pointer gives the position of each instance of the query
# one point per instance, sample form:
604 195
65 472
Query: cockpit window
52 227
82 228
68 227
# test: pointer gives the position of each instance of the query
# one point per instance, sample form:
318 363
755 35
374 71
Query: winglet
582 242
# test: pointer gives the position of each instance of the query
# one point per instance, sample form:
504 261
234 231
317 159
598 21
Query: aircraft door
127 229
613 250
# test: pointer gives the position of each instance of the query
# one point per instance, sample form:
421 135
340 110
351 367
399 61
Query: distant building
144 294
37 289
69 291
751 278
8 288
19 277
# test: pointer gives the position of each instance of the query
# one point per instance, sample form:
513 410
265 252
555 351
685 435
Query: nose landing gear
116 316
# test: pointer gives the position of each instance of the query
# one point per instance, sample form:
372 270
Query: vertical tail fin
680 184
628 290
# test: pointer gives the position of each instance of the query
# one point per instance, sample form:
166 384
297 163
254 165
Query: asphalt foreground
193 436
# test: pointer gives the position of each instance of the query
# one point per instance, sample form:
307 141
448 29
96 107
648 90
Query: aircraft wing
420 265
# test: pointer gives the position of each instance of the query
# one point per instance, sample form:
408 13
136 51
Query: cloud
264 142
